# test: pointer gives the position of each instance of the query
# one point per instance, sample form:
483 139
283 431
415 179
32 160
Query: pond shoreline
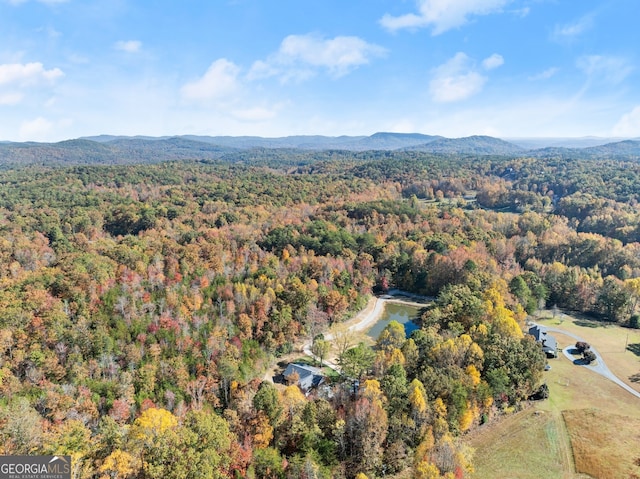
370 315
363 320
372 312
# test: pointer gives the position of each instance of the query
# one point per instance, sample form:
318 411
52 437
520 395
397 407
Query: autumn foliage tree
142 304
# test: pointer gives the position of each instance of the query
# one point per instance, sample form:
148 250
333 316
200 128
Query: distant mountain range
107 149
471 145
584 142
377 141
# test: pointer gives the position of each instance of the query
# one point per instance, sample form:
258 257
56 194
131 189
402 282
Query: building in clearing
306 377
548 342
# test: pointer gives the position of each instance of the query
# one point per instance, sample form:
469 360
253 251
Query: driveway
600 367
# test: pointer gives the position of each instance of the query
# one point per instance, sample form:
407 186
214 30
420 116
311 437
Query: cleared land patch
604 444
533 445
619 347
528 445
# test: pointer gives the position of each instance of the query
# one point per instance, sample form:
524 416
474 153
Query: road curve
369 316
600 367
362 321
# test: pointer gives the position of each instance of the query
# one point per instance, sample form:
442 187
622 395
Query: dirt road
362 321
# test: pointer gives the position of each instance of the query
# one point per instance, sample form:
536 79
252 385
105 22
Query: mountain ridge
118 149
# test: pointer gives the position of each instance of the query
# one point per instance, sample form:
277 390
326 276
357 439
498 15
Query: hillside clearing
604 444
616 344
559 436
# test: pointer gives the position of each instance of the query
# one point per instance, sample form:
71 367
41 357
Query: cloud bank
442 15
459 78
303 56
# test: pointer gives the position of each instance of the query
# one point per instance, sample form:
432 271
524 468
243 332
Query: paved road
600 367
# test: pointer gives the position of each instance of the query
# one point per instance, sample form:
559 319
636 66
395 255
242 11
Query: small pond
403 313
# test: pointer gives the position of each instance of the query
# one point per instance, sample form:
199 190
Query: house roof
302 370
305 374
537 331
540 334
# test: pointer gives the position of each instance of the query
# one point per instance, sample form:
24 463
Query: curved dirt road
360 322
370 315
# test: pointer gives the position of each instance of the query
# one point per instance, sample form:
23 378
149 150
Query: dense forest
142 304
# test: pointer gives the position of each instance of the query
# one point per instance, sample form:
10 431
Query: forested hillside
140 305
123 150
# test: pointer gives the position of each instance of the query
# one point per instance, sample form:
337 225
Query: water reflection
403 313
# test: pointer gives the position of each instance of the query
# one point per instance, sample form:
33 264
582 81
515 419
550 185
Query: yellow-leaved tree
426 470
152 423
119 465
71 438
503 320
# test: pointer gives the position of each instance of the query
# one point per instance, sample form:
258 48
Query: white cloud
459 79
605 68
16 77
301 56
522 12
220 80
129 46
12 98
574 29
34 130
27 73
494 61
442 15
629 124
545 75
262 69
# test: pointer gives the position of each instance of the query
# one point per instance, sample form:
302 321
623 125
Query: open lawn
604 444
619 347
548 440
527 445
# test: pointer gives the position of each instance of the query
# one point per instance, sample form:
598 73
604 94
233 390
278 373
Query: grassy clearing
537 443
500 451
576 387
604 444
619 347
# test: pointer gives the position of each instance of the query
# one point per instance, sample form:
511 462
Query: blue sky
506 68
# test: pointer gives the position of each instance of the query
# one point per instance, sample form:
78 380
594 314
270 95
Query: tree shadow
585 323
634 348
635 378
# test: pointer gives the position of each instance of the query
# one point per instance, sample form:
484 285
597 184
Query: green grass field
527 445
